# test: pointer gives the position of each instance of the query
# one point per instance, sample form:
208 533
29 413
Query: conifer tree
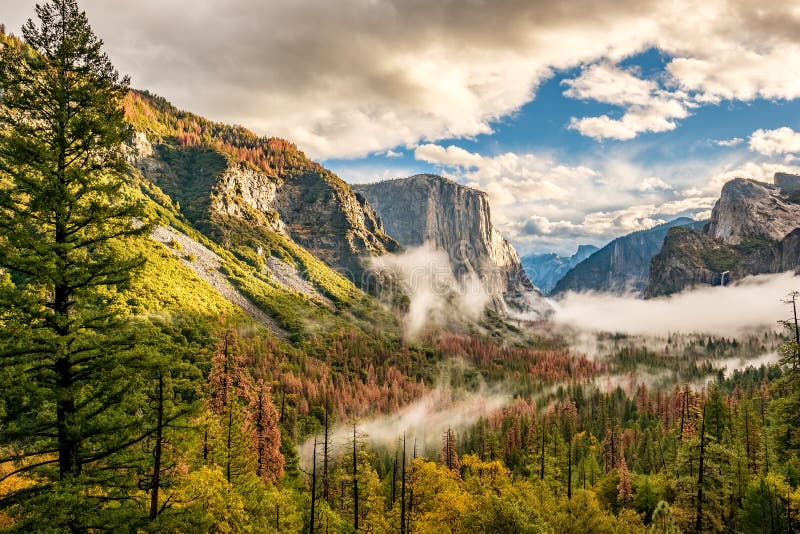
449 454
65 348
262 422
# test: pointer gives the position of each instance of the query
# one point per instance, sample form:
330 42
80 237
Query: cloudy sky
584 119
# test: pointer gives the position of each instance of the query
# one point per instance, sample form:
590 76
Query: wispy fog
436 297
729 365
423 422
754 303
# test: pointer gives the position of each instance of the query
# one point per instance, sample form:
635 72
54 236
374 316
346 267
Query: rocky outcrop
307 203
754 229
456 219
789 184
329 219
623 265
207 265
690 258
545 270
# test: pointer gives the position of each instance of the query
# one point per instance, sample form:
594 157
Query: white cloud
653 183
610 84
543 226
642 216
508 178
692 192
773 142
539 201
725 311
452 156
657 116
648 107
436 296
741 72
734 141
422 422
361 173
348 78
761 171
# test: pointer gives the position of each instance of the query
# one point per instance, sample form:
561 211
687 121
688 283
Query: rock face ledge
456 219
754 229
623 265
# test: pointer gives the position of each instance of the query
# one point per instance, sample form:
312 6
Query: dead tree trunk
157 451
700 472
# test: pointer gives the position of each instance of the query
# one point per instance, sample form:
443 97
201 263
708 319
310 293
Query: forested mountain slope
242 189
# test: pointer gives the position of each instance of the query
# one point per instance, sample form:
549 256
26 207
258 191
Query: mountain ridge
225 175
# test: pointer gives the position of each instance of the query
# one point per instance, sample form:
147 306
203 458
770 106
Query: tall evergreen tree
262 424
65 346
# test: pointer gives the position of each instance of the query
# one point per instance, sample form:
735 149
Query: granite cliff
429 209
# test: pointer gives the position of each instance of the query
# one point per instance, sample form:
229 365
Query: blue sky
583 120
712 134
542 126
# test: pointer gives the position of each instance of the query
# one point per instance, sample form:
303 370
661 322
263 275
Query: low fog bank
423 422
665 378
436 297
753 303
729 365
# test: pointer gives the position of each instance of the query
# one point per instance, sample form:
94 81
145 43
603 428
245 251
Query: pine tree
355 479
262 422
569 421
65 351
788 386
449 454
403 521
624 487
227 445
663 521
312 520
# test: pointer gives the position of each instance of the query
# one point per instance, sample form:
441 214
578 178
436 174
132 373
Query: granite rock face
546 270
623 265
324 215
755 210
307 203
754 229
689 258
429 209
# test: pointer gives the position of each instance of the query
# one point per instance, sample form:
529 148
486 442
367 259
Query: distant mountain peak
623 265
547 269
